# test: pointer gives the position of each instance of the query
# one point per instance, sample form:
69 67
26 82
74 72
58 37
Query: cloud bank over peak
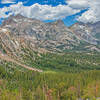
92 15
47 12
37 11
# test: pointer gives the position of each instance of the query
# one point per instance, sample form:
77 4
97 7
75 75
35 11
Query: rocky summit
18 31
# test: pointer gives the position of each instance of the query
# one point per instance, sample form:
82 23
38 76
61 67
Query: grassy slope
66 77
73 62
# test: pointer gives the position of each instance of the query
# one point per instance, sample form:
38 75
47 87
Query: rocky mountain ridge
53 36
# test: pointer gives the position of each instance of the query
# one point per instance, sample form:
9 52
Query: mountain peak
57 23
18 16
54 35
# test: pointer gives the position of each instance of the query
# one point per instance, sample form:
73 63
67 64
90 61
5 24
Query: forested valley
65 77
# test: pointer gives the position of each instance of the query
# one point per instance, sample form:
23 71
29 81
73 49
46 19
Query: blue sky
42 2
70 11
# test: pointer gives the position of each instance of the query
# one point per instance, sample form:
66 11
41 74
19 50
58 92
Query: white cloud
78 4
37 11
92 14
7 1
47 12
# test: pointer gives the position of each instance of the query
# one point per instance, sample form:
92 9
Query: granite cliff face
87 32
18 32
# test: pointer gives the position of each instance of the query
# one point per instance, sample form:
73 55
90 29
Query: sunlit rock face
18 32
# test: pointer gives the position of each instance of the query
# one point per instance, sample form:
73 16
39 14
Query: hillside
24 40
49 61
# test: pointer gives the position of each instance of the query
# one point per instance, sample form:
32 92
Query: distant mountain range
18 32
